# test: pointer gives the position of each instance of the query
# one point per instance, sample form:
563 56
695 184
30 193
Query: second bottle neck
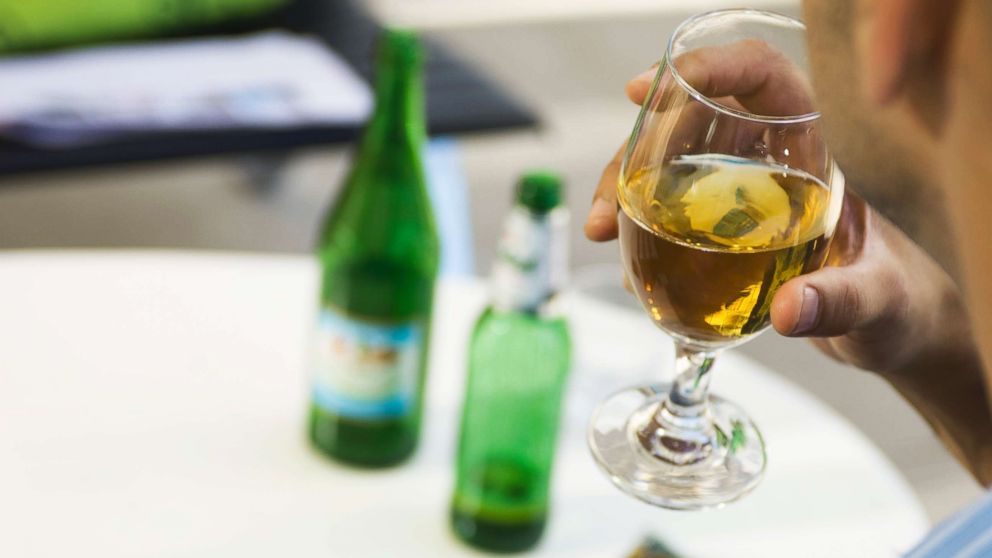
532 261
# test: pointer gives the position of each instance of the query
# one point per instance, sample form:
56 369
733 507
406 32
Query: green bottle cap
539 191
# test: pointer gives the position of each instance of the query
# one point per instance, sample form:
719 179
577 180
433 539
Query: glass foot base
674 460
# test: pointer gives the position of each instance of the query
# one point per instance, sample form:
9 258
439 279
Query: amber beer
708 239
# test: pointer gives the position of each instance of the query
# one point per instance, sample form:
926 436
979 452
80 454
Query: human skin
882 303
920 69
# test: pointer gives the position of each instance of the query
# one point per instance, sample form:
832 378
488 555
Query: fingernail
808 312
601 210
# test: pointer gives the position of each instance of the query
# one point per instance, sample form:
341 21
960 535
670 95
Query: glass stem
692 381
680 431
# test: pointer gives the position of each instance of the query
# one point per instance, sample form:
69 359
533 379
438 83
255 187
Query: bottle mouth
540 191
699 22
397 44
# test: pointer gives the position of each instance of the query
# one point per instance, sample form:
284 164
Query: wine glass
726 191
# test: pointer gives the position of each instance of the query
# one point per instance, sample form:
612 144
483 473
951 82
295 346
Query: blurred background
112 134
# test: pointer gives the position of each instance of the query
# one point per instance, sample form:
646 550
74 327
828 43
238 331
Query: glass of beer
726 192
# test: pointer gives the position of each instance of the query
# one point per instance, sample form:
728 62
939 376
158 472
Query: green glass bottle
379 254
519 359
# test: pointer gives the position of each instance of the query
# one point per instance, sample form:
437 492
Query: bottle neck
532 262
399 103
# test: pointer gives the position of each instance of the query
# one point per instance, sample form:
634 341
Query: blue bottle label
365 370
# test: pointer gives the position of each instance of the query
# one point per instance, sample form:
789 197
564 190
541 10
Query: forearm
950 389
941 371
947 388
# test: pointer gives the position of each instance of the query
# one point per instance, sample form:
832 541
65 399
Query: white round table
153 404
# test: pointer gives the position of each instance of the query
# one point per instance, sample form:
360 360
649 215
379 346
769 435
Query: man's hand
881 301
881 304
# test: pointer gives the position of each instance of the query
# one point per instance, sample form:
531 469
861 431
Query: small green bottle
379 254
519 359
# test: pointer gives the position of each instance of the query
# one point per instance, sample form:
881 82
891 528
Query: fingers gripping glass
726 192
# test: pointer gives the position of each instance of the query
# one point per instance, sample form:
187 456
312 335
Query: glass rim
697 95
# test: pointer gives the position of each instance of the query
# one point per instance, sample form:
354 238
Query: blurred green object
519 358
379 254
539 190
39 24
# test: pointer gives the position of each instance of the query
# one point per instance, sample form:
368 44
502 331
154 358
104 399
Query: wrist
944 341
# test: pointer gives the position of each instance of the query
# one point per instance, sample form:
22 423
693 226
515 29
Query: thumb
836 300
637 88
